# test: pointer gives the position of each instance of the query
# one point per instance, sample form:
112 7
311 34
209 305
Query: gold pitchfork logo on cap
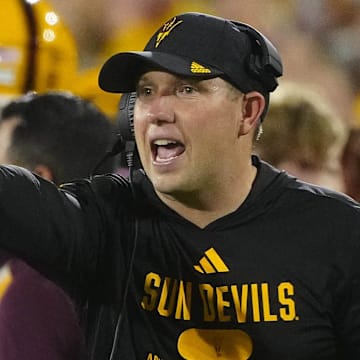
166 30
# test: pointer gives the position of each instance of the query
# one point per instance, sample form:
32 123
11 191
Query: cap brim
120 73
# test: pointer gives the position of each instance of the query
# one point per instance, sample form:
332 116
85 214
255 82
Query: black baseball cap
199 45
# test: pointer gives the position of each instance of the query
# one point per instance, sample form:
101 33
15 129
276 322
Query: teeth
164 142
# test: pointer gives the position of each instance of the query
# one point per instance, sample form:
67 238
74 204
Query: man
50 135
57 135
208 252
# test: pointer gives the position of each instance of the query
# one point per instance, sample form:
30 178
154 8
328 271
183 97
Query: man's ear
252 107
44 171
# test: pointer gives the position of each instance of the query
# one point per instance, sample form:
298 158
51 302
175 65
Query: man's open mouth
164 150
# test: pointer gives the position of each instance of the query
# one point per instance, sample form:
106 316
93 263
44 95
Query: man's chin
165 187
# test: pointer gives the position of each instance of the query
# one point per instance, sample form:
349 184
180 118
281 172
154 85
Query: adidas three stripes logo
211 263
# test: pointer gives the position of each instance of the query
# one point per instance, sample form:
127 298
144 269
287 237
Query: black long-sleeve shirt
276 279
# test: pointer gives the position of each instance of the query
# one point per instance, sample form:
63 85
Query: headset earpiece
264 63
254 66
126 116
125 124
125 142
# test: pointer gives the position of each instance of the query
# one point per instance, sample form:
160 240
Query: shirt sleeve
79 235
48 226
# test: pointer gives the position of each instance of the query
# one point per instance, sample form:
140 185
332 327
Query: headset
125 142
125 124
125 120
264 65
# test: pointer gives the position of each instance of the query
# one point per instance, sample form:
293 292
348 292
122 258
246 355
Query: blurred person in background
335 25
60 137
38 52
304 136
306 56
38 320
350 162
57 135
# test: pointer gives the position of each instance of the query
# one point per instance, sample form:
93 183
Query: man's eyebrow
145 79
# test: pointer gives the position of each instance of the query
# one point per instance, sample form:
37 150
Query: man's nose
161 110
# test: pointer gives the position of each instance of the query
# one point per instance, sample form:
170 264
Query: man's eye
187 89
144 91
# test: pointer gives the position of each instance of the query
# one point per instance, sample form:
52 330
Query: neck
224 197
